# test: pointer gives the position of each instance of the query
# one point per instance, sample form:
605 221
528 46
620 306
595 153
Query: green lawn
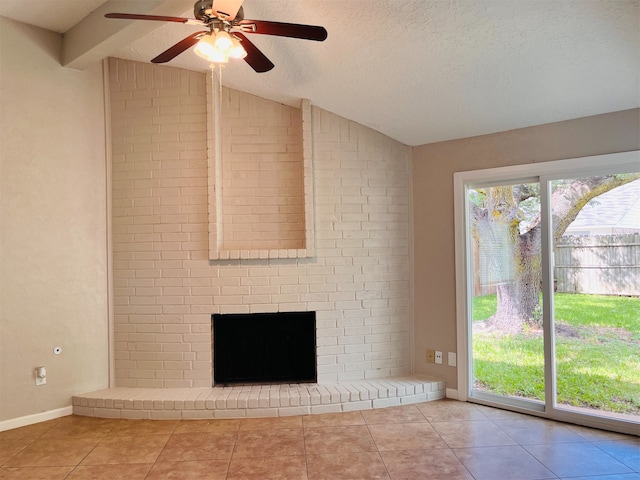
597 350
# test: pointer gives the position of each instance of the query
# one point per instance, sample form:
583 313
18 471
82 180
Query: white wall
53 255
434 236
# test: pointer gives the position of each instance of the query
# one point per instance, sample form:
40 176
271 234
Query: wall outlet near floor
438 357
41 376
431 356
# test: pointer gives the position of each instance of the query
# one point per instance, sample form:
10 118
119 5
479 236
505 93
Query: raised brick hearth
257 400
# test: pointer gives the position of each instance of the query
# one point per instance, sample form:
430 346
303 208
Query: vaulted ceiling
419 71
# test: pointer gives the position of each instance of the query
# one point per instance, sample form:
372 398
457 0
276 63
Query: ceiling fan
226 28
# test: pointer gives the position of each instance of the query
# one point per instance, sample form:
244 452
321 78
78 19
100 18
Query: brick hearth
256 400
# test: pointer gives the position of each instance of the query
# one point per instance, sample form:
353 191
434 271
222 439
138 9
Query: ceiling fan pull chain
217 93
216 103
213 73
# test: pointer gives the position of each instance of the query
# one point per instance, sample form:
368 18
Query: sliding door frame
624 162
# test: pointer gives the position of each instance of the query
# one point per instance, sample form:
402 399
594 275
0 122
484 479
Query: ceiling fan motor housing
202 10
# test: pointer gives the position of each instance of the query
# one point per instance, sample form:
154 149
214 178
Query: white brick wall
262 174
166 288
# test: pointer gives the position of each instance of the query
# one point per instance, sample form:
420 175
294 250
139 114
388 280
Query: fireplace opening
264 348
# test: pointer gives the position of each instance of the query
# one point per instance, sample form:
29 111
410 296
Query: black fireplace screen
264 348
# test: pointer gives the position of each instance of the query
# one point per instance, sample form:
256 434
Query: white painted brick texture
262 174
166 289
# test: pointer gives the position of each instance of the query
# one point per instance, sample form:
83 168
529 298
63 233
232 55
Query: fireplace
264 348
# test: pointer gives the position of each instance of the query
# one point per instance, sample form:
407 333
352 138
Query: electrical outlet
431 356
41 376
438 357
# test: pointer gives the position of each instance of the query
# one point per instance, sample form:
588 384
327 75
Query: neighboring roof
617 208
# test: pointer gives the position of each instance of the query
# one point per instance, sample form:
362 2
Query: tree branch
568 199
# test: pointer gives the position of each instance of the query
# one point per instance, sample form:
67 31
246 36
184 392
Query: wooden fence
602 264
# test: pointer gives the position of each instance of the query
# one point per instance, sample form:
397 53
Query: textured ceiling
419 71
57 16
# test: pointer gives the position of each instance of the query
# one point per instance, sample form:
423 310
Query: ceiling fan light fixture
205 46
207 49
223 41
237 50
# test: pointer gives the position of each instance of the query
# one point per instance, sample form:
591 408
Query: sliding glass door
596 314
506 309
548 279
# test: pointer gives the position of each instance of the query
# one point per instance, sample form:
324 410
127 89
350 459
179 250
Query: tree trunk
515 256
518 301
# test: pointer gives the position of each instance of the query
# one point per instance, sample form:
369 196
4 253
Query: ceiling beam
96 37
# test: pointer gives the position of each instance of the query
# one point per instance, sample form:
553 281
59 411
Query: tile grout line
77 427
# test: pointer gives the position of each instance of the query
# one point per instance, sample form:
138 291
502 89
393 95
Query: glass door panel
507 353
596 298
548 289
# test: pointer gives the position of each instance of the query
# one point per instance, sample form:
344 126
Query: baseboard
451 393
35 418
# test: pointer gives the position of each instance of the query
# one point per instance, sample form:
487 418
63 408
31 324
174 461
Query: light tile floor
441 440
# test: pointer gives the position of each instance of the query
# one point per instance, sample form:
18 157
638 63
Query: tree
508 218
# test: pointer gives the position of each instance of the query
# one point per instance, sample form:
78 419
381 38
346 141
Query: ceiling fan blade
135 16
255 58
293 30
226 9
178 48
